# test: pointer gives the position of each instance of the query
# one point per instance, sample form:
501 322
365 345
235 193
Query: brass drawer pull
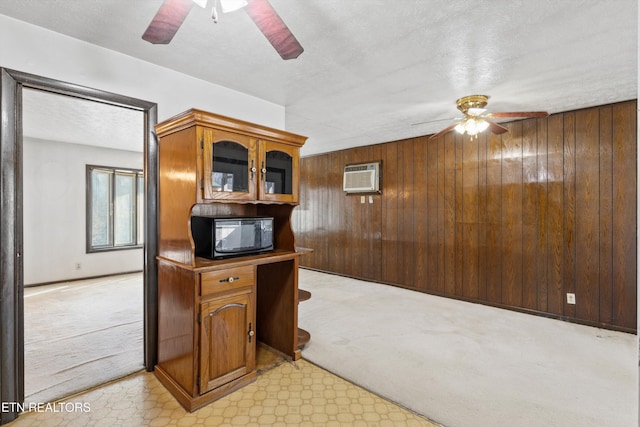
229 279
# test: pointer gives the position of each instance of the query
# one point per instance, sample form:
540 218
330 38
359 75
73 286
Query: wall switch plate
361 199
571 298
370 199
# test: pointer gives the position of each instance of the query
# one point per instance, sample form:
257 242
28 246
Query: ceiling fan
475 120
172 13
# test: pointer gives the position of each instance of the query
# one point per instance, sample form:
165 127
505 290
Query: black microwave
222 237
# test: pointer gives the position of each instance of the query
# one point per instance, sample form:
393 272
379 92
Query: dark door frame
11 239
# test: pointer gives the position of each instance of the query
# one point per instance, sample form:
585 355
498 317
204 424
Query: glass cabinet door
277 166
278 173
230 171
229 167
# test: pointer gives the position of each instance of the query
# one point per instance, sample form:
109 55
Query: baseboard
77 279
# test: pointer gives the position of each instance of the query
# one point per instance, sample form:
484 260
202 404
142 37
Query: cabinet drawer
224 280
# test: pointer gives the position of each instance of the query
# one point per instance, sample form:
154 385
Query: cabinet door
229 166
227 340
278 172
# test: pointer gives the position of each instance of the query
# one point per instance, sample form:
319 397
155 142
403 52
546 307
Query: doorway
82 232
12 84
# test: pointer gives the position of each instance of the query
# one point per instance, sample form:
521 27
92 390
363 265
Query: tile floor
285 394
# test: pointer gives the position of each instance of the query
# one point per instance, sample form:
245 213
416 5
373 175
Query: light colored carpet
80 334
464 364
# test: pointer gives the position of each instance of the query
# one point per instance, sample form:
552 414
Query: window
115 207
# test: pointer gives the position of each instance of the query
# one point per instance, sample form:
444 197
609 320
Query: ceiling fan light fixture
472 126
482 125
232 5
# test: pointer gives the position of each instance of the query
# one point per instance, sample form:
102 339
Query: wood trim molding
195 117
11 301
11 265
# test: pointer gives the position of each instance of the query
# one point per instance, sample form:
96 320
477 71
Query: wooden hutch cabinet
211 313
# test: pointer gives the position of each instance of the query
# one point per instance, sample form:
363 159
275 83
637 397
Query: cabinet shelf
303 295
204 264
303 337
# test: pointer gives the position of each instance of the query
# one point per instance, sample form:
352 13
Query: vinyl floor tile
284 394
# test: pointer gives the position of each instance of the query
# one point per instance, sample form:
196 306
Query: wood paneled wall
516 221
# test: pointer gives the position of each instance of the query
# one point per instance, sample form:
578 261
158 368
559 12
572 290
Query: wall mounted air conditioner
362 178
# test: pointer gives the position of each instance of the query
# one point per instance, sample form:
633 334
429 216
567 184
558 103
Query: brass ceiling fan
475 120
172 13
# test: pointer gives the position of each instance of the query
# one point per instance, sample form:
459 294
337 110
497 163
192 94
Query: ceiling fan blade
167 21
274 29
437 120
443 131
496 128
518 114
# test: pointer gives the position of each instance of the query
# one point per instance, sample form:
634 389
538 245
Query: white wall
54 189
34 50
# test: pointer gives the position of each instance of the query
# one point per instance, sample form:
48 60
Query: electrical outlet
361 199
571 298
78 266
370 199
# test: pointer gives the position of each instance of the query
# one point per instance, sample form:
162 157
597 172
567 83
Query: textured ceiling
372 68
51 117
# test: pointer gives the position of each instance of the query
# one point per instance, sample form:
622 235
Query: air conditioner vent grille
362 178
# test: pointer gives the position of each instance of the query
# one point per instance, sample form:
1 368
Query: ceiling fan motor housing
468 104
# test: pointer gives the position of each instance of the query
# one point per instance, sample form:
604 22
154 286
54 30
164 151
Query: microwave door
235 236
248 235
264 231
228 236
